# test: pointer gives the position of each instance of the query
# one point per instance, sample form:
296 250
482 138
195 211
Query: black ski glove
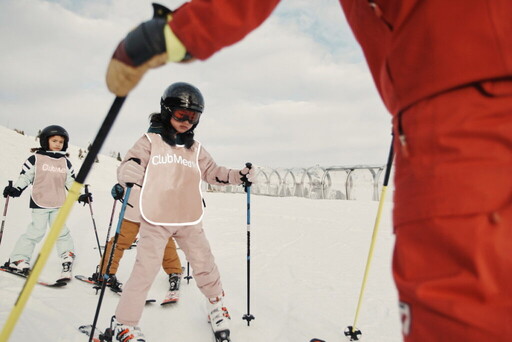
117 192
247 175
85 198
143 48
11 191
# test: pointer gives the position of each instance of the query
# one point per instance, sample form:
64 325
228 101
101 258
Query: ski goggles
183 115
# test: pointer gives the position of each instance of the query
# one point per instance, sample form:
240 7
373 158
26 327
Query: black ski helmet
50 131
180 95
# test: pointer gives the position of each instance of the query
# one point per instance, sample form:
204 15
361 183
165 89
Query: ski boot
19 266
122 332
112 281
219 318
114 284
173 294
67 265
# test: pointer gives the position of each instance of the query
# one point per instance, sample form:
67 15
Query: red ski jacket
414 48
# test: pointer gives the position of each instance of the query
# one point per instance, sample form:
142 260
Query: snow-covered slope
307 262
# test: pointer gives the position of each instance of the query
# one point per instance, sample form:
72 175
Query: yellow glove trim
176 51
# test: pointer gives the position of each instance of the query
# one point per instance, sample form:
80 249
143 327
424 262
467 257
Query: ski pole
108 236
4 217
111 256
188 276
56 227
93 220
247 185
351 331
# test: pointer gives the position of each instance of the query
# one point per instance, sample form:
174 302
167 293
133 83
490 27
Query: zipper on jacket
378 12
401 136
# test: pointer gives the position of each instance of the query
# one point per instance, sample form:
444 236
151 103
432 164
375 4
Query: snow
307 263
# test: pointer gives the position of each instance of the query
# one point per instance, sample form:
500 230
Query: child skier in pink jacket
172 165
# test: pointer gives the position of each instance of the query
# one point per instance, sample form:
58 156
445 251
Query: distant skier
171 167
127 236
51 175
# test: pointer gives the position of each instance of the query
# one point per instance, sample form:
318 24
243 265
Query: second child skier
51 174
128 233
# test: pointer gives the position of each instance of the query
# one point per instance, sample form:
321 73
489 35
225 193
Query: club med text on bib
171 191
49 186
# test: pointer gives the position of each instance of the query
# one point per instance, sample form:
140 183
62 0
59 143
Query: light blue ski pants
36 230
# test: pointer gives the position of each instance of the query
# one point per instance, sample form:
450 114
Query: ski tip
316 340
56 284
169 302
84 278
64 280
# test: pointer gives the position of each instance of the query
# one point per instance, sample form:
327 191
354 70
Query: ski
98 336
66 274
86 279
56 283
222 336
316 340
64 279
97 286
171 297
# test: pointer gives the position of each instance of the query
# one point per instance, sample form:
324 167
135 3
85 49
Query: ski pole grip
10 186
86 188
137 160
244 178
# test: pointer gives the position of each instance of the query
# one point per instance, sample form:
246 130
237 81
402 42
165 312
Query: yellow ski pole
62 215
351 331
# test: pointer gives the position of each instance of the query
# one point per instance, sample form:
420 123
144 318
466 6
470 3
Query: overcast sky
294 93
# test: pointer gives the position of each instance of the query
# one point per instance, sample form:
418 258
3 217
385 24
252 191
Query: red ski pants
453 215
454 276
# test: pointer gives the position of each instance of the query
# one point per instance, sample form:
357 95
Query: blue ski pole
247 185
106 275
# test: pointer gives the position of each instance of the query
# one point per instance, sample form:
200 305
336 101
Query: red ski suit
444 71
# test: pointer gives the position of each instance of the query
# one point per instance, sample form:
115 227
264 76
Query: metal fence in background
359 182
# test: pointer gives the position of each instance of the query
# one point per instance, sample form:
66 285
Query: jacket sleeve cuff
176 51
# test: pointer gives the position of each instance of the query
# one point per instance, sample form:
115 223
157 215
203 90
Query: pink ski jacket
171 189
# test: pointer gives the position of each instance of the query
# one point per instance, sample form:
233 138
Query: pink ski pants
150 250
